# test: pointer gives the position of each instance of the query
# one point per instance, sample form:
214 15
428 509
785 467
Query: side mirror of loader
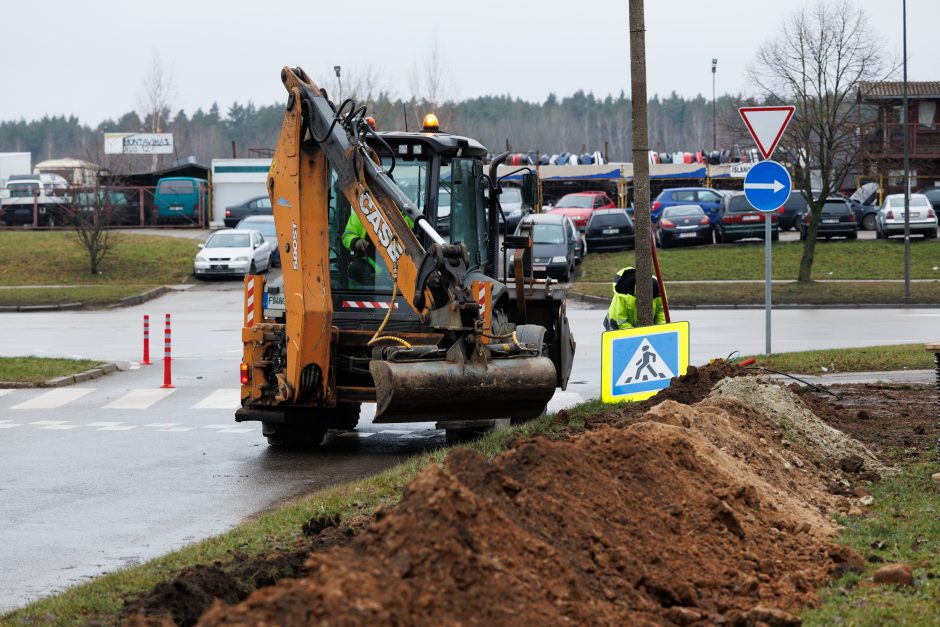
530 189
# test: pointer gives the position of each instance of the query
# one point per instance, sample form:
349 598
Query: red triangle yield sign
766 125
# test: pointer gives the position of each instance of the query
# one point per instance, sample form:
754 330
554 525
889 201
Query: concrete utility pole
907 165
641 168
714 110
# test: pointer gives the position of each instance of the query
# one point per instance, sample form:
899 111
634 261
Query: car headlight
559 259
240 259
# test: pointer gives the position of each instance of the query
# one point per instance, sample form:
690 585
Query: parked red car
580 205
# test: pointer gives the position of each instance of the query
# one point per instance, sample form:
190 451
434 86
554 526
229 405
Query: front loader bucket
439 391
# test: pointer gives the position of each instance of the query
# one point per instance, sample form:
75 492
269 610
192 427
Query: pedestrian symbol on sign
645 365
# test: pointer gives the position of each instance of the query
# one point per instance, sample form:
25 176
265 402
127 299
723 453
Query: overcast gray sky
87 58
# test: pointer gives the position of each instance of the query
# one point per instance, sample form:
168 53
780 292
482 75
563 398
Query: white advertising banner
138 143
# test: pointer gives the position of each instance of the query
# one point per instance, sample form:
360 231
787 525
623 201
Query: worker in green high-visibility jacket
622 311
363 267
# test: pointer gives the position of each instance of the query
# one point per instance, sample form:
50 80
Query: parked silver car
890 220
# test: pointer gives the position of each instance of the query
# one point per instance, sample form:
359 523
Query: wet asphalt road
116 471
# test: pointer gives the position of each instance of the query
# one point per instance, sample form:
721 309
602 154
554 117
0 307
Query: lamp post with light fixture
714 110
339 80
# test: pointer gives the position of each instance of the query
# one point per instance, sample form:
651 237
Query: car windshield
229 240
576 201
683 212
548 234
26 188
265 226
175 187
609 219
915 201
511 195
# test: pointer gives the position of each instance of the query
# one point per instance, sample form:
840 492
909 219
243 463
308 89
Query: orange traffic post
167 382
146 360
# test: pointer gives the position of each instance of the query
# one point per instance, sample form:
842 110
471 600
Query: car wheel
253 269
852 235
719 238
869 223
802 235
931 234
566 277
775 236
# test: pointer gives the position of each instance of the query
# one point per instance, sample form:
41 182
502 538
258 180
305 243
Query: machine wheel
343 417
869 222
292 435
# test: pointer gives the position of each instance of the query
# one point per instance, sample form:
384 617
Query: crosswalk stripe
10 425
54 399
118 428
235 430
61 427
104 424
162 424
140 399
223 398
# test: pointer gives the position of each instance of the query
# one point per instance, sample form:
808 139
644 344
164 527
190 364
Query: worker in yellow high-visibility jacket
622 311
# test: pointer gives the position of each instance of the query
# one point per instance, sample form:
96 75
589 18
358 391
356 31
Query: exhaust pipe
441 391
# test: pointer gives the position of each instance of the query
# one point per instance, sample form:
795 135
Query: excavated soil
695 507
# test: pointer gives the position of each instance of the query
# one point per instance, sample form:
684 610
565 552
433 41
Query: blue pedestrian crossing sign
767 186
638 363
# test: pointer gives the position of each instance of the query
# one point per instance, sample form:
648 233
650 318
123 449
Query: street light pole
714 111
339 80
907 167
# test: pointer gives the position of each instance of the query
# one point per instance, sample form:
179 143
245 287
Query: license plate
830 220
176 207
610 231
540 268
750 219
688 234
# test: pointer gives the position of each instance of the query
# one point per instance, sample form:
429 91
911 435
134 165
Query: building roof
895 90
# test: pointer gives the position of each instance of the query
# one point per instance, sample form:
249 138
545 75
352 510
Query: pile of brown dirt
668 520
688 389
182 600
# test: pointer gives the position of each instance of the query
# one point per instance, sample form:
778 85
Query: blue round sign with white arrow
767 186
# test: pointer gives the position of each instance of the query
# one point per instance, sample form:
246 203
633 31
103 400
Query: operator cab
442 175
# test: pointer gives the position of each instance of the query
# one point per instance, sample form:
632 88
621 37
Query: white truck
12 163
38 199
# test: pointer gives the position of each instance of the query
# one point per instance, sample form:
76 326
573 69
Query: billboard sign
138 143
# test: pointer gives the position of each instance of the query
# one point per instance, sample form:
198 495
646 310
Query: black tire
802 235
775 236
344 417
252 269
284 435
869 223
566 277
931 234
852 235
719 238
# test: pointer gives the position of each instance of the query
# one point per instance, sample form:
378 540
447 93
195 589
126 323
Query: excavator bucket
424 391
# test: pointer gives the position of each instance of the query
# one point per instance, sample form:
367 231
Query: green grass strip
903 521
866 359
38 370
862 259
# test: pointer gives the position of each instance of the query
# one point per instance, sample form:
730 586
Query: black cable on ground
815 387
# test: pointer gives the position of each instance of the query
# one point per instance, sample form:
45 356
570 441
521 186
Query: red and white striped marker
167 382
250 302
366 304
146 360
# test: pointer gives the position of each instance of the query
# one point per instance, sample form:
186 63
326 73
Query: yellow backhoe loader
389 246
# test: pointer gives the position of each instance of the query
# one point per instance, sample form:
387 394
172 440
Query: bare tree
92 211
431 81
155 97
816 64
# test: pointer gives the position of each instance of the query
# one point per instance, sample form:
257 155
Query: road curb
130 301
590 298
37 308
81 377
59 382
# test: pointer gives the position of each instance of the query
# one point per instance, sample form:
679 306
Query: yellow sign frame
607 357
